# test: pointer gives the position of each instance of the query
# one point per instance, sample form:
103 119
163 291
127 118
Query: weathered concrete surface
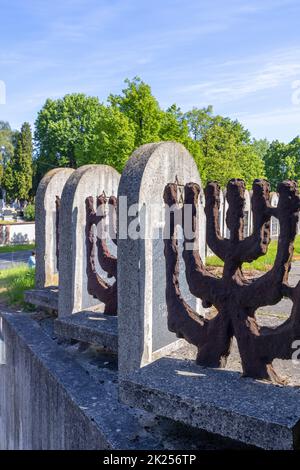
43 298
274 402
218 401
90 327
143 332
88 180
60 397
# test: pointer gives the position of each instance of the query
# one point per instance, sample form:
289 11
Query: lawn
7 222
14 248
13 283
264 263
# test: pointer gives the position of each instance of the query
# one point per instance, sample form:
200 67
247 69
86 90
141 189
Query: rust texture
96 285
235 298
57 210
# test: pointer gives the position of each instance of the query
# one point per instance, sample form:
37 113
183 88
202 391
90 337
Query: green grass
14 248
264 263
13 283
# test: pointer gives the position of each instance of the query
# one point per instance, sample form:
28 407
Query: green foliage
199 120
29 212
228 153
113 141
13 283
141 108
282 161
17 178
264 263
173 125
65 129
7 143
14 248
261 146
77 130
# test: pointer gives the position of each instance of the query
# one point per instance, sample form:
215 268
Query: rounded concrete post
50 186
88 180
142 312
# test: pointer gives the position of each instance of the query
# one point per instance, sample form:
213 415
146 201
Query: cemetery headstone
201 394
142 320
50 187
80 310
274 221
247 214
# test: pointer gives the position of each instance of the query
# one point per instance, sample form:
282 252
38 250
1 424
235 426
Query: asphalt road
8 260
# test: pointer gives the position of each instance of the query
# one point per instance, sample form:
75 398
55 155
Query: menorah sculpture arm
273 284
235 297
215 241
107 261
96 285
182 319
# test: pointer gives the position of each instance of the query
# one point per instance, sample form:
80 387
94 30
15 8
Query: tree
7 144
276 164
17 178
113 142
141 108
173 125
261 146
65 130
228 153
282 161
199 120
77 130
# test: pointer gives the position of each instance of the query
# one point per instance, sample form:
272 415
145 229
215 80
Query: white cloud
276 124
238 79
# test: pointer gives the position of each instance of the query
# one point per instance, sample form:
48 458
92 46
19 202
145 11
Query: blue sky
243 57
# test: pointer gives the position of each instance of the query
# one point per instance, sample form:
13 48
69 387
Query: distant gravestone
142 317
49 188
274 221
88 180
222 223
247 215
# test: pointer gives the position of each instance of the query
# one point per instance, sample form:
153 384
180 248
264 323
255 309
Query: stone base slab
90 327
53 397
218 401
43 298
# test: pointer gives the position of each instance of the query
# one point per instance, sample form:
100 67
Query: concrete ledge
56 398
44 298
48 401
217 401
90 327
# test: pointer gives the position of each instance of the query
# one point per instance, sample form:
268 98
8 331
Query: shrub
29 212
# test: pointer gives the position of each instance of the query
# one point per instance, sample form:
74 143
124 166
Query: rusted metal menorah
98 287
235 298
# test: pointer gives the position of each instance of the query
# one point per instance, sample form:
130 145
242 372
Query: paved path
284 307
8 260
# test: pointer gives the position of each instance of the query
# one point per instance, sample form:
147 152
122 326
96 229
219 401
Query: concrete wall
20 233
46 400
